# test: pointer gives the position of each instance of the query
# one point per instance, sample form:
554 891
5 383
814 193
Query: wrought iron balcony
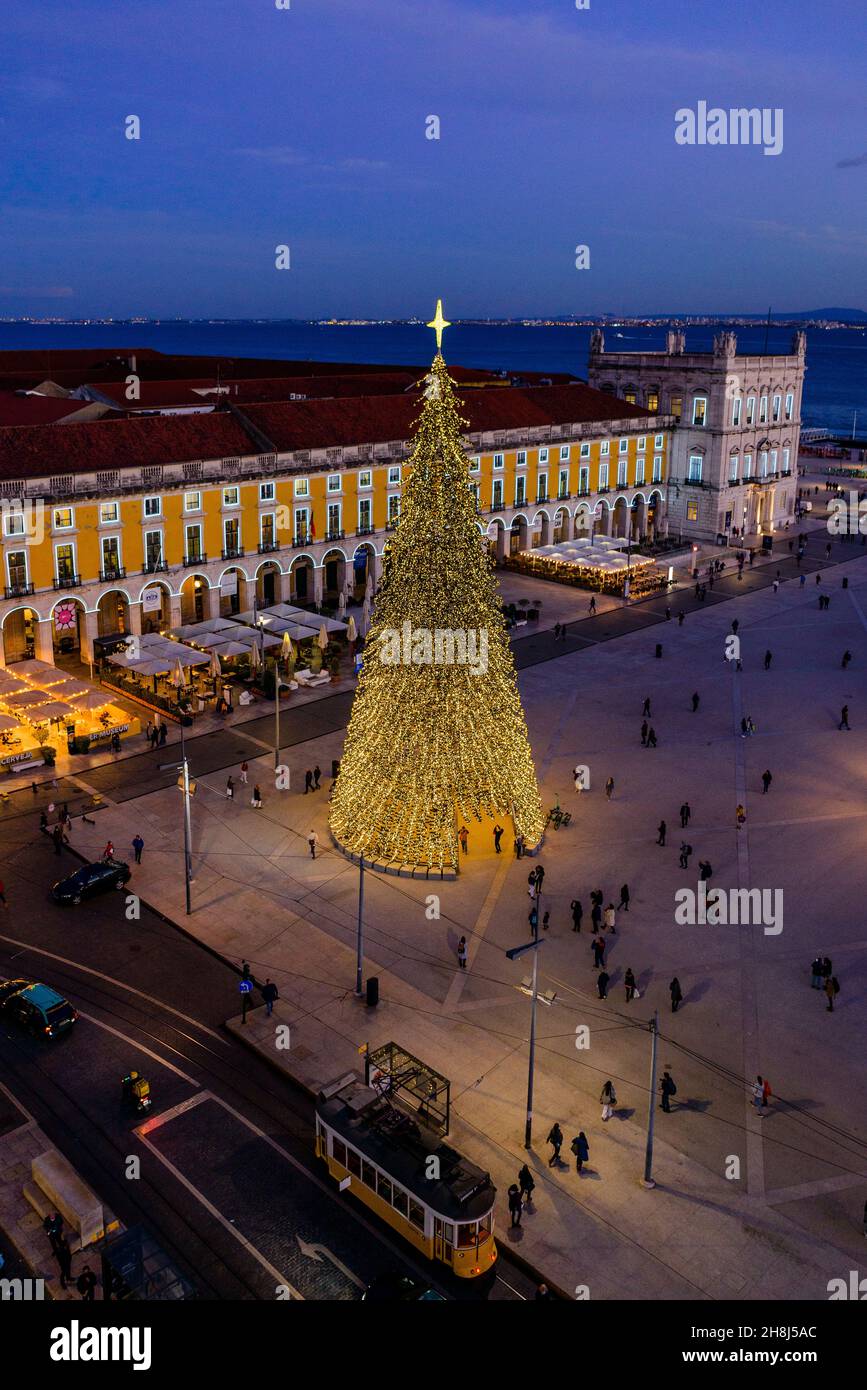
113 572
267 547
233 552
501 506
154 567
67 581
364 530
200 558
335 534
18 590
391 524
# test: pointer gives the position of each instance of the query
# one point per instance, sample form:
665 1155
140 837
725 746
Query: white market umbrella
255 658
25 698
91 699
351 630
322 639
214 667
286 646
177 678
7 723
53 709
341 603
231 648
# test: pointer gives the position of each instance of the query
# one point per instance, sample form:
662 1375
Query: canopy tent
33 670
9 683
53 709
92 699
192 631
23 698
230 648
7 723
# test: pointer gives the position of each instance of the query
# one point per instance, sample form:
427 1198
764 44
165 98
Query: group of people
823 977
156 734
255 799
60 1248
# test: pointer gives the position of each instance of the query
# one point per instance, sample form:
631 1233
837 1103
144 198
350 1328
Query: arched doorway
602 519
362 569
518 535
193 592
654 512
333 576
497 540
619 517
301 579
541 532
638 517
561 526
68 627
233 591
19 634
112 613
583 523
155 608
267 591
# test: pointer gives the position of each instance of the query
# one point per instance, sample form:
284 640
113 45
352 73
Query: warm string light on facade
431 746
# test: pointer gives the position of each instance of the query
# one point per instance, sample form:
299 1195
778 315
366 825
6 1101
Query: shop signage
107 733
19 757
66 617
151 600
229 585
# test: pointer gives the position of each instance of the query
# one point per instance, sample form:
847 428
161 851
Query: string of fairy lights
431 746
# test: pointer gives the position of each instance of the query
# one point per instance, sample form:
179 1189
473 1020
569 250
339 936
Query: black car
10 987
91 879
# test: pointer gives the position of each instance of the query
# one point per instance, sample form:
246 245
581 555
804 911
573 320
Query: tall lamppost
188 790
514 954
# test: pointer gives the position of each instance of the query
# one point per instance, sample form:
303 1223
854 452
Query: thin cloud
37 291
853 163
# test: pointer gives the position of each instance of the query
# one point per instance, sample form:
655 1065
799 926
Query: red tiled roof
41 450
359 420
38 410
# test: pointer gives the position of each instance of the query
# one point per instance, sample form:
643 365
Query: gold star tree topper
438 323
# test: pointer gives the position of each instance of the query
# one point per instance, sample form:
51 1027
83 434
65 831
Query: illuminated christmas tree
437 734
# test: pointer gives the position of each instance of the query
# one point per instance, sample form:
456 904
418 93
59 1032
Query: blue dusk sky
306 127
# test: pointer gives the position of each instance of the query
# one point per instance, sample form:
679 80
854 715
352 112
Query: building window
475 489
16 570
232 535
603 475
231 497
763 410
676 407
394 476
64 519
153 548
622 473
564 453
520 490
751 409
584 480
543 457
604 448
773 460
696 462
302 523
733 467
497 493
776 409
563 483
334 520
657 468
642 443
763 463
736 410
267 530
652 398
692 511
699 410
748 465
639 471
267 492
475 464
192 501
541 487
13 523
658 441
365 513
109 513
629 395
64 560
110 555
585 451
365 478
152 506
499 460
790 404
622 446
785 460
302 487
394 507
193 542
521 459
334 480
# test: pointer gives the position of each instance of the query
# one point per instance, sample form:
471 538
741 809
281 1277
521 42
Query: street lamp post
514 954
184 768
651 1112
359 942
278 685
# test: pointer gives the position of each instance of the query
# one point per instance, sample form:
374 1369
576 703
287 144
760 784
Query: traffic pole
359 945
647 1181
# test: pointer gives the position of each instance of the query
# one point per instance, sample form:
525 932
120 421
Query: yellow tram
425 1190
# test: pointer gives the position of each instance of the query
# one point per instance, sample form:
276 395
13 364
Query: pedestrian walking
519 847
546 920
609 788
685 852
308 781
149 728
498 835
844 718
667 614
578 779
646 709
539 873
555 1139
740 816
817 973
244 771
581 1149
609 918
317 773
660 833
832 989
644 731
602 981
57 836
464 837
776 586
676 993
847 657
269 994
313 841
230 789
592 607
695 698
256 798
43 822
596 916
704 870
608 1100
598 948
86 1283
462 953
758 1095
52 1225
526 1184
651 737
577 914
137 847
155 737
766 1092
164 735
64 1259
543 1294
767 779
685 813
629 982
802 581
556 631
680 618
668 1089
768 659
108 852
516 1204
735 625
624 898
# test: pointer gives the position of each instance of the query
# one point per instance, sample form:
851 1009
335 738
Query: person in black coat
676 993
526 1182
515 1204
577 914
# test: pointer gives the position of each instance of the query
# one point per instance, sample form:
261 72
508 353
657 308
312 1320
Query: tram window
383 1187
400 1201
448 1233
353 1162
416 1214
467 1234
368 1174
485 1227
338 1151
